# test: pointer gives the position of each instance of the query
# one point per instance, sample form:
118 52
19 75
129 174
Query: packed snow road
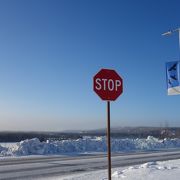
35 167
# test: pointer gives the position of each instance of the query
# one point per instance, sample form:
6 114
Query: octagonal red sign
107 84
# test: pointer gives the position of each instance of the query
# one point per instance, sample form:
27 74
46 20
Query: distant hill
118 132
139 132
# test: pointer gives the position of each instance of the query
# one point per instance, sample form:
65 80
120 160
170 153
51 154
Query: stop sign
108 84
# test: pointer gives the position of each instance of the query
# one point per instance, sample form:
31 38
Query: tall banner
173 77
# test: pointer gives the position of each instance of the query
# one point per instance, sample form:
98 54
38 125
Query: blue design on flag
173 79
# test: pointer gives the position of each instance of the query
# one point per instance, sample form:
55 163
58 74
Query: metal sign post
109 139
108 85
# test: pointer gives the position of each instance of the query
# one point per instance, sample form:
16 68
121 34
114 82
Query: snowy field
160 170
85 145
165 170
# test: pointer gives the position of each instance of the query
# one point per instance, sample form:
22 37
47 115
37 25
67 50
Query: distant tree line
19 136
140 132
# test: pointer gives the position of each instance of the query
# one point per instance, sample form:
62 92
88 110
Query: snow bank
152 166
149 170
3 150
87 144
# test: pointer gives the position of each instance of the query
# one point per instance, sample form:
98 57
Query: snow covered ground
165 170
87 144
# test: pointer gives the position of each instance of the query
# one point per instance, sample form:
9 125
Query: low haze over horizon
50 51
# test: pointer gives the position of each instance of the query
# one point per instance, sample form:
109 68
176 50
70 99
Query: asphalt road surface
35 167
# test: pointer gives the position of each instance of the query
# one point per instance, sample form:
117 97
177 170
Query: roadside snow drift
146 169
160 170
87 144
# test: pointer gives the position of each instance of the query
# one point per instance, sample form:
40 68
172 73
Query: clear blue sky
50 50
